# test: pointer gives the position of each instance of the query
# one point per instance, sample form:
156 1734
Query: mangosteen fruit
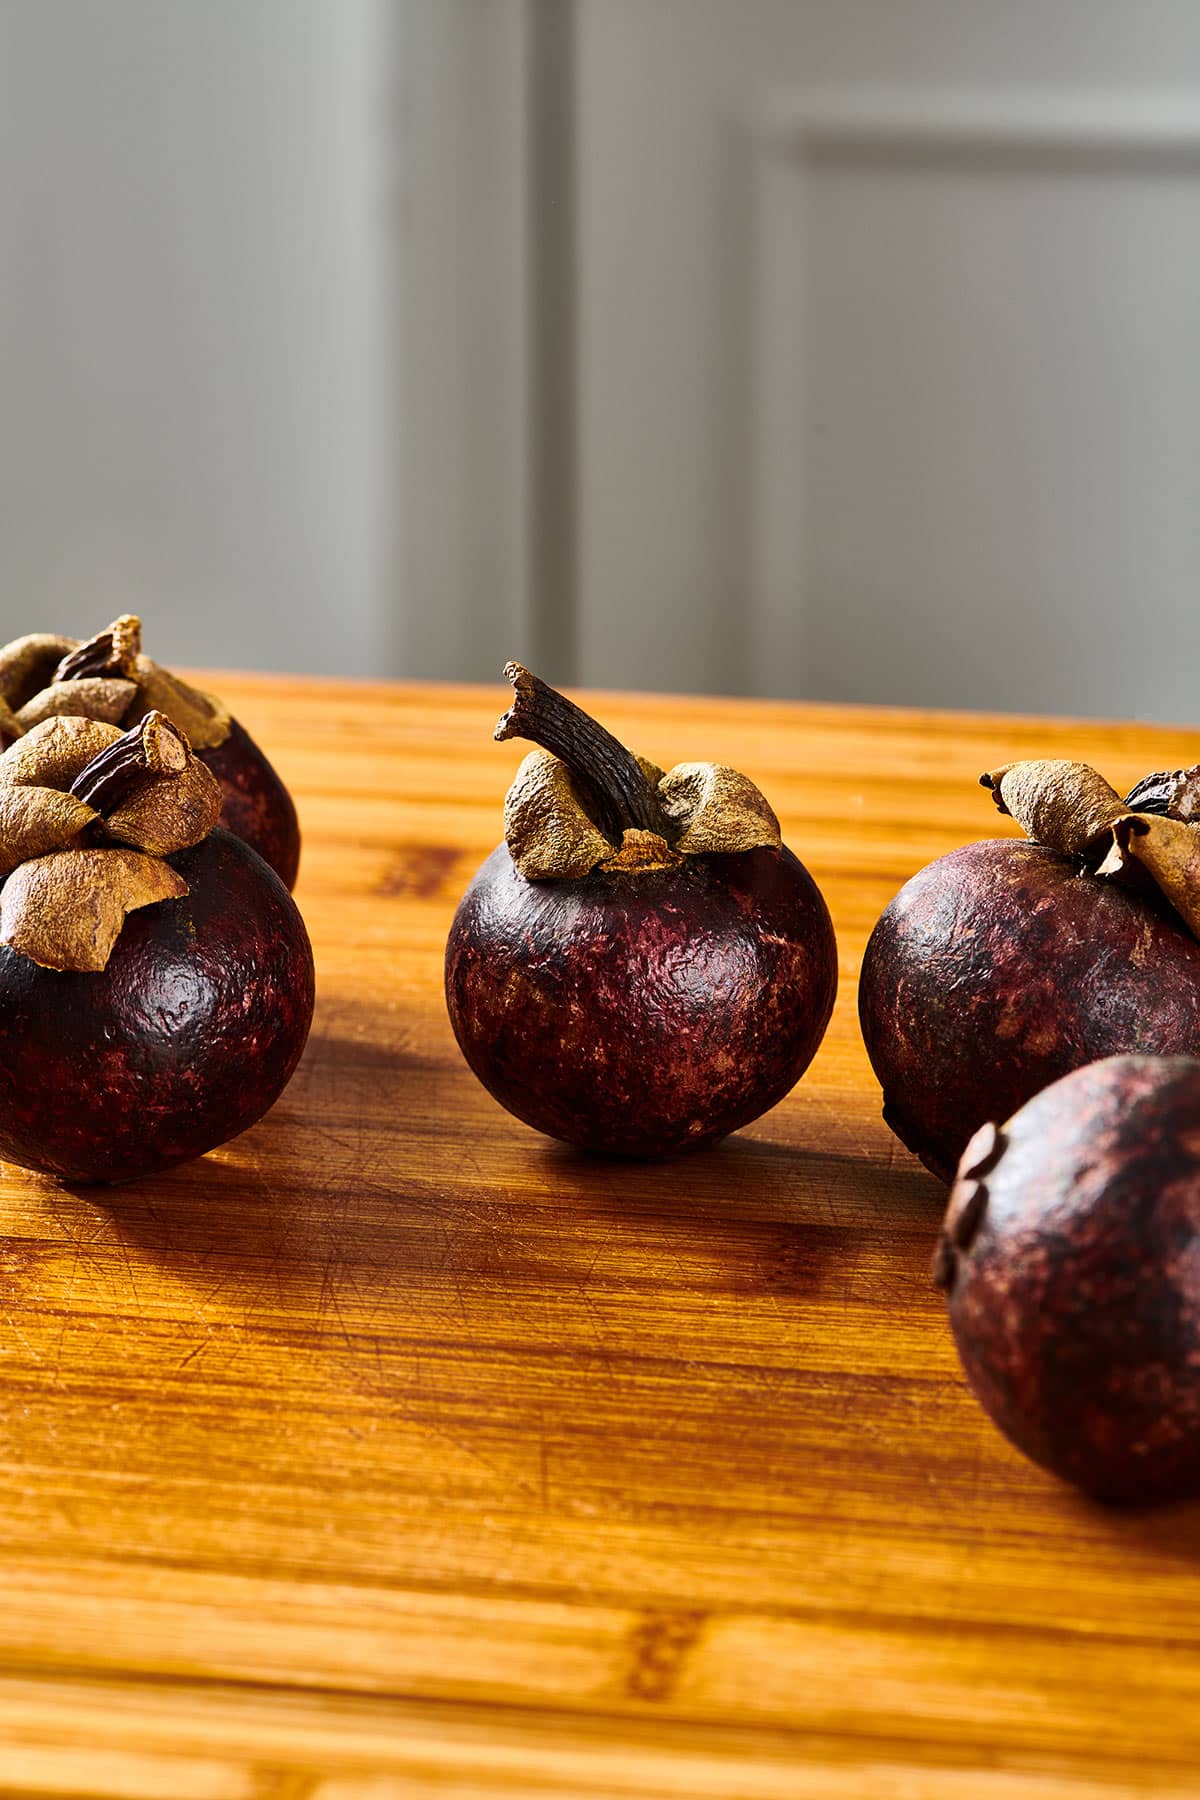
108 678
1006 964
1070 1257
156 979
642 966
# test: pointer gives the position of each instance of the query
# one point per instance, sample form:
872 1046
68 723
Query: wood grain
393 1450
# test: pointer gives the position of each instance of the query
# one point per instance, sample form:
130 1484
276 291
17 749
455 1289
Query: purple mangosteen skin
1000 968
1072 1252
257 806
642 1014
184 1040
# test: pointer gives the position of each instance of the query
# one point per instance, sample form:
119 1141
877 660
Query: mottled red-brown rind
257 806
185 1039
1076 1305
645 1014
1003 966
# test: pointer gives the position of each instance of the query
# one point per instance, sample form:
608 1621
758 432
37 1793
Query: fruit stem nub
154 747
113 652
607 776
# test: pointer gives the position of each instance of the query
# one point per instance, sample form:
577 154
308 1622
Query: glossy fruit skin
185 1039
257 806
1075 1300
1001 967
641 1015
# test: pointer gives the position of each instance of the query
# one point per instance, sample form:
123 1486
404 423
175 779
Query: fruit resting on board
156 980
1005 964
1070 1257
641 967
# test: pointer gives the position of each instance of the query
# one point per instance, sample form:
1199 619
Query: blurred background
841 349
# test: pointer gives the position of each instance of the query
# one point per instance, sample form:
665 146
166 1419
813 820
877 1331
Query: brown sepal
717 811
36 820
28 663
104 697
1170 850
169 814
11 727
65 911
55 752
549 835
203 718
1067 806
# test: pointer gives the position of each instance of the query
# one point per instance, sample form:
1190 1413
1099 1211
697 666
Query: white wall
466 571
197 292
401 336
990 366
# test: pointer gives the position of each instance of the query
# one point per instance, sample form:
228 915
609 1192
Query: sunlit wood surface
395 1451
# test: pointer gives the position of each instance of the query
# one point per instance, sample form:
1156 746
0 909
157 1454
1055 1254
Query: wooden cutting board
395 1451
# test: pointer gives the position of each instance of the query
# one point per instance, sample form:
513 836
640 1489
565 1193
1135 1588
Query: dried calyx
583 801
1152 834
87 813
107 678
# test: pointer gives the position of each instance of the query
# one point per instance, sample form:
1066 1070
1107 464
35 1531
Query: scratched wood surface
393 1450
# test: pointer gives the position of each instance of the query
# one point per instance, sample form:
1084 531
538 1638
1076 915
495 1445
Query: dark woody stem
1161 793
113 653
152 749
607 777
